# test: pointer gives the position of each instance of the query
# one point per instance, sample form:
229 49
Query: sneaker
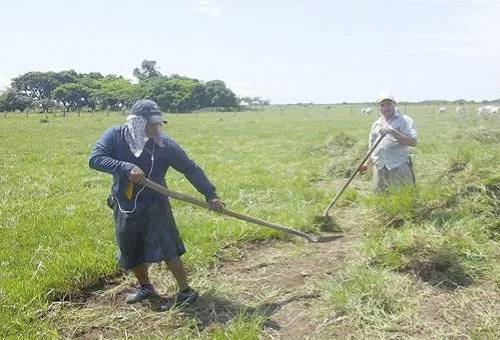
187 296
141 293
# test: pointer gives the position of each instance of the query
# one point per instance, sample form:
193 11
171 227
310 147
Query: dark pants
147 236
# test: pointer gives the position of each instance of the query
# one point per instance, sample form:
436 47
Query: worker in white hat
391 160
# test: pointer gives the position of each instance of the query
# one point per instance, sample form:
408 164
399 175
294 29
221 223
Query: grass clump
483 135
345 151
343 165
370 300
451 255
242 327
487 327
336 145
439 201
408 204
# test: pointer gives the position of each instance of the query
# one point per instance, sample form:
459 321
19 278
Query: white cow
366 111
460 110
442 109
488 111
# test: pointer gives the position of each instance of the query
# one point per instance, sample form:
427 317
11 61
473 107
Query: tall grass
443 234
56 233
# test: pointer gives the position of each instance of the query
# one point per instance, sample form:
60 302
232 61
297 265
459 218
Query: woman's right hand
136 175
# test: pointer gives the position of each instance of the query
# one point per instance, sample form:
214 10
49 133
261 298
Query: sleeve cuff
211 197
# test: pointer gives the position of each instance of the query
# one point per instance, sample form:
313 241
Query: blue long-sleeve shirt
112 155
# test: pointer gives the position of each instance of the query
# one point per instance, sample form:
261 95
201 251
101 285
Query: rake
325 221
186 198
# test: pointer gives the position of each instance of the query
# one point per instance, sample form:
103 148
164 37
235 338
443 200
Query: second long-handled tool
325 221
186 198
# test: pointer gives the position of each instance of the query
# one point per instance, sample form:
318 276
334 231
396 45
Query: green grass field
281 164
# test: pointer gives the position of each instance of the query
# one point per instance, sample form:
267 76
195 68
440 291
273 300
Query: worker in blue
145 227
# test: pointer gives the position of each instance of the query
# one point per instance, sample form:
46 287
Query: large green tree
175 94
114 93
219 95
74 90
73 95
40 85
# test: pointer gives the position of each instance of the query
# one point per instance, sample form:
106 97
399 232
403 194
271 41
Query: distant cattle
366 111
488 111
442 109
460 110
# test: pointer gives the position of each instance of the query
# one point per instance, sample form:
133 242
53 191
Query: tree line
74 91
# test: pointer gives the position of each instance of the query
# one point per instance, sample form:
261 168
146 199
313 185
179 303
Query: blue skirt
147 236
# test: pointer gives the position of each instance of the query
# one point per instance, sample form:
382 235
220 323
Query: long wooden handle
327 210
186 198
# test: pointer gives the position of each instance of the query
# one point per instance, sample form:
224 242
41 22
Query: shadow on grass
83 291
211 309
444 272
451 278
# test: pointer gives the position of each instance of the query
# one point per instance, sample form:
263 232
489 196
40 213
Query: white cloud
208 7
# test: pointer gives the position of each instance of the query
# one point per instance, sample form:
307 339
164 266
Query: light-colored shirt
391 153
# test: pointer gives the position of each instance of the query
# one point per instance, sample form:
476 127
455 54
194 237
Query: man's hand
216 205
399 136
389 130
136 175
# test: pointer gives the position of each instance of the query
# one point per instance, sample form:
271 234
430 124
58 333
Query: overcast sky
285 50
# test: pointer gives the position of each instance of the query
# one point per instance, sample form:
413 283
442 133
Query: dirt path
276 281
283 281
